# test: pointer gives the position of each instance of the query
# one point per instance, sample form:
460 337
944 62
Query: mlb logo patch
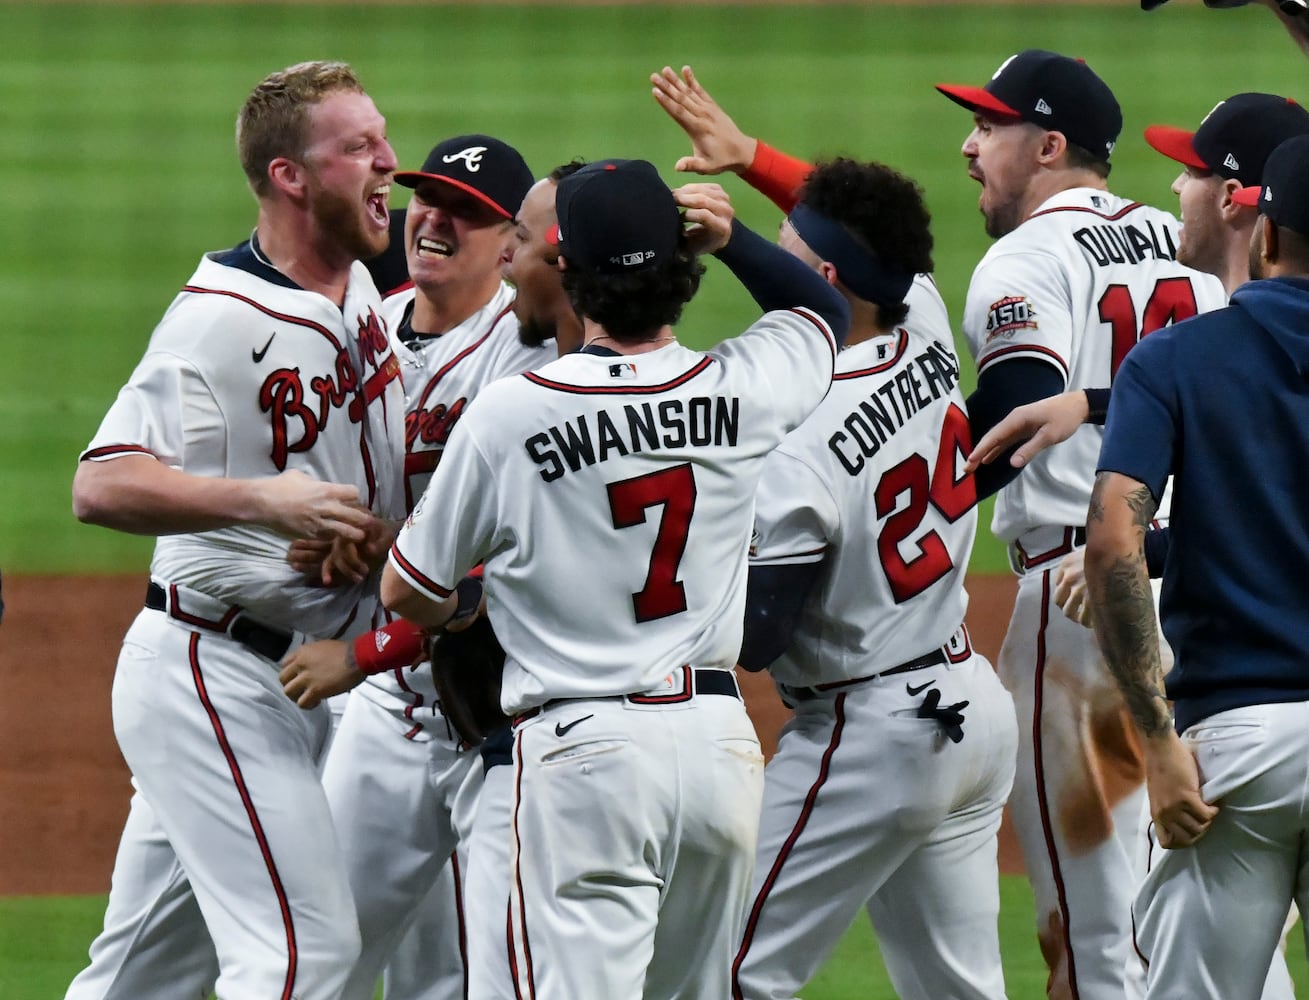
623 370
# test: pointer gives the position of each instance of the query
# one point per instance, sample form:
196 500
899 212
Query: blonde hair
274 121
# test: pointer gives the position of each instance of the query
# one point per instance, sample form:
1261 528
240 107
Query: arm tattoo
1125 618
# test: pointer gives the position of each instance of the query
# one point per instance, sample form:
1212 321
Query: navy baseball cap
1235 138
616 216
1284 194
1291 7
1053 92
491 171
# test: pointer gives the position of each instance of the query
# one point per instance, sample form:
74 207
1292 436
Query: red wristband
777 176
395 645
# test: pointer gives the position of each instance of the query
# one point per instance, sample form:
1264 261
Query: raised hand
1036 426
717 142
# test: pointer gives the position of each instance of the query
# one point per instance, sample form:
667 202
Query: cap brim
412 178
1176 144
977 99
1247 195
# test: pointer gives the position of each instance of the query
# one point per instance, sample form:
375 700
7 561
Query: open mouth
377 203
433 248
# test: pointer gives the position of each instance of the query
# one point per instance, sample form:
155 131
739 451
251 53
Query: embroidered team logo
472 157
624 370
1009 315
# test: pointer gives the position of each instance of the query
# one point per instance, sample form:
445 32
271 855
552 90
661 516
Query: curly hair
274 121
633 307
882 209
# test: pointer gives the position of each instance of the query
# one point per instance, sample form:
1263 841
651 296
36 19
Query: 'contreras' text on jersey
889 406
673 423
1125 244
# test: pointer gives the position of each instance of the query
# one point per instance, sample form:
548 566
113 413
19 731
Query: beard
344 219
534 331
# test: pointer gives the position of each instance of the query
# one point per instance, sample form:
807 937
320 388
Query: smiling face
533 268
1202 241
1003 157
452 237
348 166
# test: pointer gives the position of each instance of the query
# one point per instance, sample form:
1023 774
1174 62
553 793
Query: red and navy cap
491 171
1051 91
1283 196
1152 4
615 216
1236 137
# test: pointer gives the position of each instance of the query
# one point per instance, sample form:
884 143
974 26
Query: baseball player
614 491
1227 775
856 600
401 787
1076 277
267 407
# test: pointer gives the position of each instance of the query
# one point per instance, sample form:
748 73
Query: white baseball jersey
659 454
247 376
1077 285
872 483
441 377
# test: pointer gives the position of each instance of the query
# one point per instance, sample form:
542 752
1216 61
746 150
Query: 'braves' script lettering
296 423
433 425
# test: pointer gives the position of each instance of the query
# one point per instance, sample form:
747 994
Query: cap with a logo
615 216
1052 91
490 170
1284 194
1235 138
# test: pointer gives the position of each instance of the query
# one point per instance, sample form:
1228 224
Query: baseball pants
1209 916
486 885
868 806
228 764
399 806
634 830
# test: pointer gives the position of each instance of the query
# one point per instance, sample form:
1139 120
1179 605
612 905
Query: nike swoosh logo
920 689
562 730
258 356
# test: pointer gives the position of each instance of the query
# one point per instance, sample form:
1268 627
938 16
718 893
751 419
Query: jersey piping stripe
243 791
900 348
417 578
285 317
640 390
525 966
788 845
445 369
115 451
1037 349
1089 211
823 328
1043 803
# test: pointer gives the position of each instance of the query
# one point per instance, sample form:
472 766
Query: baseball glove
467 667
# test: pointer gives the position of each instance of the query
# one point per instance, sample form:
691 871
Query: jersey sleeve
787 356
166 409
452 526
795 514
1141 429
1019 306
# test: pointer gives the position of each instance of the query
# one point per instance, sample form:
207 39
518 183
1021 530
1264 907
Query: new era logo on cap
1235 138
1051 91
491 171
1285 173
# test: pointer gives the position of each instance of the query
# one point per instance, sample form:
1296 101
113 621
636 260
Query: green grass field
120 171
120 168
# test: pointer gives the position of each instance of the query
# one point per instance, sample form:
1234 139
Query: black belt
699 681
268 642
932 659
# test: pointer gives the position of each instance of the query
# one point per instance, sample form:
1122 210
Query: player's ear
828 271
1269 244
1053 146
287 176
562 263
1228 209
